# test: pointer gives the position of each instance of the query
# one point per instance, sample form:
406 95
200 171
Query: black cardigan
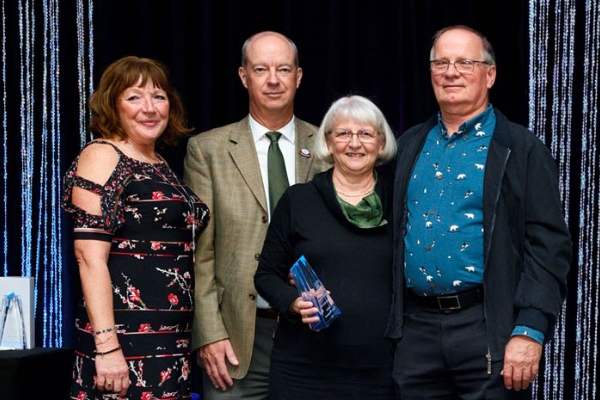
527 245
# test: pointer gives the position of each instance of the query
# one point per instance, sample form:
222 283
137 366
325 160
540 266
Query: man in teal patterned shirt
481 248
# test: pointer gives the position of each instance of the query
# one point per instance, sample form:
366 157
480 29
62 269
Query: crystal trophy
311 288
12 323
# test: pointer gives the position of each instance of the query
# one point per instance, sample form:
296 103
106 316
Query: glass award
311 288
12 323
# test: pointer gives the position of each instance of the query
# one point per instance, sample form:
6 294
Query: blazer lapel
304 152
243 153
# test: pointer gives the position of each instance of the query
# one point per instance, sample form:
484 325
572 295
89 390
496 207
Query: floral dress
150 218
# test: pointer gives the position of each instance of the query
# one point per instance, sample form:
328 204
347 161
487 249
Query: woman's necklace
363 194
177 186
368 192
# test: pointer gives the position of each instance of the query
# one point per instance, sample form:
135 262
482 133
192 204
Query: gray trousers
255 385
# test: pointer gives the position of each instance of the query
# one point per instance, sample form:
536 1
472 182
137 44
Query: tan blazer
221 167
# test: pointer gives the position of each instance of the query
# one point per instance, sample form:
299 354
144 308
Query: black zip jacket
527 245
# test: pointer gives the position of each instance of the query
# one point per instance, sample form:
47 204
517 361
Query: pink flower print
155 246
187 246
158 195
135 294
164 375
187 275
145 328
173 299
124 244
81 396
146 396
185 370
189 219
140 373
88 327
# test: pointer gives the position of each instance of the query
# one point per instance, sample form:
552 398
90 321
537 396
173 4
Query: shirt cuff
522 330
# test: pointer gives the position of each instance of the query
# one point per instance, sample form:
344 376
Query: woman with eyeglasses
340 223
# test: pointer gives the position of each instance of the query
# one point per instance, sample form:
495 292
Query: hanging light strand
43 275
538 65
81 71
561 147
27 104
49 261
4 147
90 42
538 81
55 338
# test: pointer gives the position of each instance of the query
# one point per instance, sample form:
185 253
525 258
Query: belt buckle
449 303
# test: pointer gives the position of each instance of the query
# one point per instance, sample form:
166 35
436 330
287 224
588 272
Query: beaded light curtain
32 90
563 98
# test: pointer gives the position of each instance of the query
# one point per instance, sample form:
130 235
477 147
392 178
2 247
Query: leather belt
268 313
449 303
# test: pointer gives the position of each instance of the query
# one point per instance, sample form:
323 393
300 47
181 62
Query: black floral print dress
148 218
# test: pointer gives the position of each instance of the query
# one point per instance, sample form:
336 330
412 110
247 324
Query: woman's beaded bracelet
108 351
106 330
106 339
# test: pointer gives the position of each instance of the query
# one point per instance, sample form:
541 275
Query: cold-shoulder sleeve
92 226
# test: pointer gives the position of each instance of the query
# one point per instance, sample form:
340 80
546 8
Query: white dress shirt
287 145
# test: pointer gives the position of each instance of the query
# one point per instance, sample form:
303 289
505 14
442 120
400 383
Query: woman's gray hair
361 110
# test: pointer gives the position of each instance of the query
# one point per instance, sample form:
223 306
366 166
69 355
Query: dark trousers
442 356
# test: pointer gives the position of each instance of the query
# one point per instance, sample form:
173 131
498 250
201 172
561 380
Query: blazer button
265 219
256 256
252 296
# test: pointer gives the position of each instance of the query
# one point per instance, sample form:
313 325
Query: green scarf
366 214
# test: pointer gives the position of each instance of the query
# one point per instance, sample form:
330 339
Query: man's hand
521 362
213 357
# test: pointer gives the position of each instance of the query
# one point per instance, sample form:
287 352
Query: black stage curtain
379 49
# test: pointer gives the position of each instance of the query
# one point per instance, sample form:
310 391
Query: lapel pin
305 153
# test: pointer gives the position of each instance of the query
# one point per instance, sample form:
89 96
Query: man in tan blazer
227 168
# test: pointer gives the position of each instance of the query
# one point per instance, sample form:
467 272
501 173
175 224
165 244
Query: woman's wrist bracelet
102 353
106 339
106 330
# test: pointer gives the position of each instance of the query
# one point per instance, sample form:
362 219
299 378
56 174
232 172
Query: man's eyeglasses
345 135
462 66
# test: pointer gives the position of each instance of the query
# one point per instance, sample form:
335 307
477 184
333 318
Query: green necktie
278 180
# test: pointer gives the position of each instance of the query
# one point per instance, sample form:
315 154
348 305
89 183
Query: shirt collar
477 123
258 131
